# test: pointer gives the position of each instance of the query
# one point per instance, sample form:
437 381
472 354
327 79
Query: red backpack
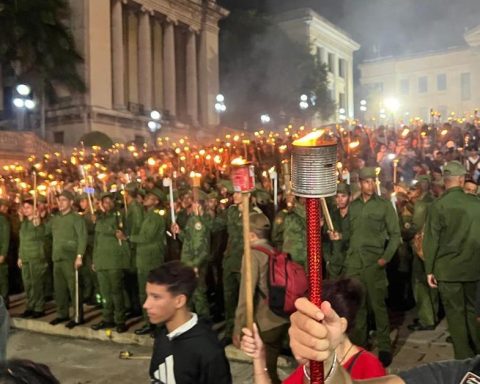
287 281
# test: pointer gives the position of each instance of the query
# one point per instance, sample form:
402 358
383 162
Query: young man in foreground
186 351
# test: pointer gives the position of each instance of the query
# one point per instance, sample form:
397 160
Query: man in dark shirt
186 351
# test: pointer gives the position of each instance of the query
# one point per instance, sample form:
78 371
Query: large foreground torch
243 180
314 177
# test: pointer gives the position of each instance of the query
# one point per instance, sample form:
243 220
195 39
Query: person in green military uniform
32 261
426 298
134 217
451 247
278 228
195 238
336 253
374 238
90 287
110 257
69 233
4 245
232 262
151 245
294 232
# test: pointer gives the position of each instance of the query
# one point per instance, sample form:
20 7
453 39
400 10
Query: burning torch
314 177
243 180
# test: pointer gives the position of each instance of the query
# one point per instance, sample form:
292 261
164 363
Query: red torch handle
314 254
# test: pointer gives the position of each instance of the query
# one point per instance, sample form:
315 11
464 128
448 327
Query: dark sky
394 26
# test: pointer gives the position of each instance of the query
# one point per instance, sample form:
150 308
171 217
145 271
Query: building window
59 137
342 101
423 84
442 82
404 86
342 68
331 63
465 86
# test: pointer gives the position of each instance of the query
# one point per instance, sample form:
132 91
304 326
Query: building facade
332 46
139 56
447 82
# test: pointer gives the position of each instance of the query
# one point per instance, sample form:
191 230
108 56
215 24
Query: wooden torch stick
247 259
34 193
326 213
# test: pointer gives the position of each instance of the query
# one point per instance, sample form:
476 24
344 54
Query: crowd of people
96 222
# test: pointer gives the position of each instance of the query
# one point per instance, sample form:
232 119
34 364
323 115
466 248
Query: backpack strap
355 358
267 251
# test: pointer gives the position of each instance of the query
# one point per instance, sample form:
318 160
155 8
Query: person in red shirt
345 296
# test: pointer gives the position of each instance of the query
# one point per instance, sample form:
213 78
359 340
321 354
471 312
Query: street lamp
220 106
363 109
265 118
342 114
154 124
24 103
393 105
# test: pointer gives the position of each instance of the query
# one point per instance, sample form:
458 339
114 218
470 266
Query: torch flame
239 161
313 139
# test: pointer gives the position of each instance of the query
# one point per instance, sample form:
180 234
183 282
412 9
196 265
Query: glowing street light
220 106
392 104
155 115
18 102
265 118
23 89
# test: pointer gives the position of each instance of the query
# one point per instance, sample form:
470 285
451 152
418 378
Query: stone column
145 61
208 68
157 65
349 85
118 55
132 40
192 81
170 97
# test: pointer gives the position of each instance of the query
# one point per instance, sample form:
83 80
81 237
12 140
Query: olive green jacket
195 239
151 241
69 234
4 235
294 235
108 251
451 243
279 228
374 232
32 238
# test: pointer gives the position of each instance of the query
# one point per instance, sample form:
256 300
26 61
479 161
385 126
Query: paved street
79 361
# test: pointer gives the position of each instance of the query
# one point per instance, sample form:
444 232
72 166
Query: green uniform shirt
4 235
420 209
134 218
32 240
451 243
294 235
374 232
195 240
151 240
69 234
108 252
278 228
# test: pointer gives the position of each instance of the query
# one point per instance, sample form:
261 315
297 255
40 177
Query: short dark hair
176 276
346 296
19 371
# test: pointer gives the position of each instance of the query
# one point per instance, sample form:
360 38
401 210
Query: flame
151 161
405 132
354 144
313 139
444 132
239 161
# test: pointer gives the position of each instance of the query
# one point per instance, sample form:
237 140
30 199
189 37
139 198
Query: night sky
390 27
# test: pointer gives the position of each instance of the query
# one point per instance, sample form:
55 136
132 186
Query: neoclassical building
332 46
447 81
141 55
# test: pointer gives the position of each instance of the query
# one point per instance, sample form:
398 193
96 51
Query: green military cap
343 188
367 173
142 192
440 183
426 178
262 196
68 194
227 184
454 168
157 193
42 199
202 195
131 187
258 221
103 195
82 196
212 195
184 191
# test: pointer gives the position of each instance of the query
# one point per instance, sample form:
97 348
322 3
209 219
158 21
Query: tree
37 47
264 71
